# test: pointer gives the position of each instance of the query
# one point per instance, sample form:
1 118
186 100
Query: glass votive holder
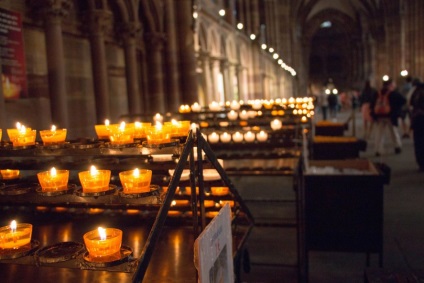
15 236
121 135
103 131
53 137
237 137
103 242
140 129
262 136
94 181
25 139
136 181
9 174
1 132
53 180
158 134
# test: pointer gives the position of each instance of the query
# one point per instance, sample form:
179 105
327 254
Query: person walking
368 95
385 112
417 123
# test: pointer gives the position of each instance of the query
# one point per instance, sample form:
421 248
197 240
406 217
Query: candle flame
137 124
53 172
122 126
13 225
136 173
173 203
158 126
93 171
53 128
18 125
107 122
22 129
102 233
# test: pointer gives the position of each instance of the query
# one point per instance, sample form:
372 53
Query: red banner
14 81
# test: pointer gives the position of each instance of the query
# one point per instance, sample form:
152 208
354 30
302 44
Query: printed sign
213 251
13 75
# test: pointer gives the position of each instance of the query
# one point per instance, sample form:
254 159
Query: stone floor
272 249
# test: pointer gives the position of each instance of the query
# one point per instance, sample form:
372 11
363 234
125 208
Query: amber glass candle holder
22 137
53 180
15 235
9 174
140 129
53 136
103 131
158 134
121 135
1 132
94 181
103 242
136 181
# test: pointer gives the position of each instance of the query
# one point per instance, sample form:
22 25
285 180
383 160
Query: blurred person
385 110
404 113
417 122
367 96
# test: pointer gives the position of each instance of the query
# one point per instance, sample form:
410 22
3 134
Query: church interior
222 103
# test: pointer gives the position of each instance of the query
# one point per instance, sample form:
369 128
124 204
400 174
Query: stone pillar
226 79
100 22
52 12
173 87
184 23
2 106
242 83
156 95
232 94
215 74
131 31
208 78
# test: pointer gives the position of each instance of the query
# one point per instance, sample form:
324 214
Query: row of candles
101 243
118 134
256 104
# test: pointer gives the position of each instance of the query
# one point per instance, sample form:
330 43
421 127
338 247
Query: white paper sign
213 251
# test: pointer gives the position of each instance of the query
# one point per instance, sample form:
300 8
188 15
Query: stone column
232 94
173 87
53 11
131 30
208 78
184 23
100 22
226 79
156 95
2 106
215 74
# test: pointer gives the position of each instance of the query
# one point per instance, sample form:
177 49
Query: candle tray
71 188
20 252
59 252
154 191
110 191
54 146
17 189
124 256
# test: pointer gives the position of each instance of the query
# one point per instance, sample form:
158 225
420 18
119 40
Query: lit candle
94 181
184 109
158 134
257 104
304 119
213 138
244 115
214 106
122 134
225 137
195 107
232 115
9 174
0 133
235 105
15 236
237 137
140 129
158 118
103 131
249 137
103 242
262 136
53 136
53 180
276 124
251 113
136 181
